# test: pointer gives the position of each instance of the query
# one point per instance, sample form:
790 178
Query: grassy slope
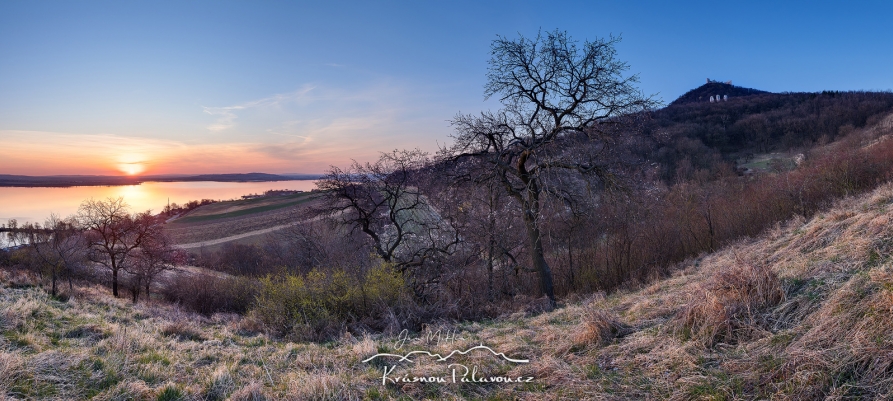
802 312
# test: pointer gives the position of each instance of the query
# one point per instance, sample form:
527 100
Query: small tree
155 255
113 235
561 104
54 249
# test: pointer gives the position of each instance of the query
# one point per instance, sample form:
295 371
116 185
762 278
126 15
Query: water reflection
36 204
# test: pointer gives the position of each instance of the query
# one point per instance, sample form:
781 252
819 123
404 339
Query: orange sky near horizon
281 133
76 154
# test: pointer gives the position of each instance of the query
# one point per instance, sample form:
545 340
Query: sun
131 168
131 163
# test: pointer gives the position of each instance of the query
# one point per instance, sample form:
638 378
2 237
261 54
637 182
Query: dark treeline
175 209
642 234
712 135
104 242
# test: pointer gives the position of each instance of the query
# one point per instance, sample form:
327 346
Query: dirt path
235 237
244 235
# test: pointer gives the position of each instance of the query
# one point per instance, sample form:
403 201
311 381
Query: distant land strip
7 180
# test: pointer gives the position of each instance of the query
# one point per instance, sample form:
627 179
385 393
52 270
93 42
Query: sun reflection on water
35 204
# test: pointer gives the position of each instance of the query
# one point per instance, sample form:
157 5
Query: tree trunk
531 204
490 251
538 258
148 294
570 262
490 271
115 282
54 281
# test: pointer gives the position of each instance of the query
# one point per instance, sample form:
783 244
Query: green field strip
243 212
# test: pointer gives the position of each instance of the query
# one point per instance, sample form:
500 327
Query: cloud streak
227 115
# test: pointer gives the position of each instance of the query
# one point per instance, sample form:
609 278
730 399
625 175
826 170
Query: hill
237 177
693 134
703 93
801 312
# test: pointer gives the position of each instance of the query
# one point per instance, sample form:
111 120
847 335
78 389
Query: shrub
4 258
209 293
318 305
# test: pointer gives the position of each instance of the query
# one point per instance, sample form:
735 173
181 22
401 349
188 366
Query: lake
36 204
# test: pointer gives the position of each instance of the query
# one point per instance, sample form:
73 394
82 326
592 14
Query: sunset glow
131 168
131 163
131 88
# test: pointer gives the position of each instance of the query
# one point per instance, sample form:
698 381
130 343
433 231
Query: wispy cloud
332 123
226 116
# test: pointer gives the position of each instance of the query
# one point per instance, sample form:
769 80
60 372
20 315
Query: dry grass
183 331
253 391
730 304
802 312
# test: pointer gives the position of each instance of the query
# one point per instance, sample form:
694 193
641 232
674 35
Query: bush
207 293
319 304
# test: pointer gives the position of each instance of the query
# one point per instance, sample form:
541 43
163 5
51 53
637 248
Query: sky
183 87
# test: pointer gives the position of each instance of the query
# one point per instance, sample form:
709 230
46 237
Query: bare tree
561 103
315 242
55 249
155 255
383 200
113 234
485 211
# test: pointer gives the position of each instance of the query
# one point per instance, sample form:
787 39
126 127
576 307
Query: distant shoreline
18 181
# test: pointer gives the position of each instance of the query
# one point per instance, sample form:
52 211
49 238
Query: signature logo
457 372
440 358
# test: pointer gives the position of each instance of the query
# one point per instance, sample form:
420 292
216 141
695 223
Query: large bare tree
562 101
384 201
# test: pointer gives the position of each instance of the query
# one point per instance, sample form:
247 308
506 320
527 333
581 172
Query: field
217 221
801 312
768 162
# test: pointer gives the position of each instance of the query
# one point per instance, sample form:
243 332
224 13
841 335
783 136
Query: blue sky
222 86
